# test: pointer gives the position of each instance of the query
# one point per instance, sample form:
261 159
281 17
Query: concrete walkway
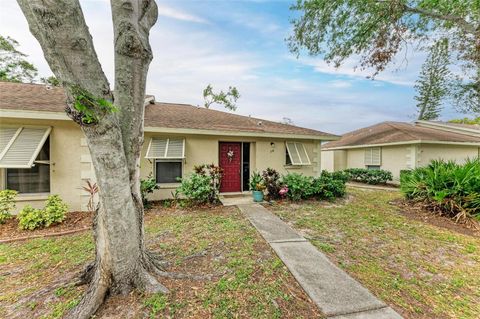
337 294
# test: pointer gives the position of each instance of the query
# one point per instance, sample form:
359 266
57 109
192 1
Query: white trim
402 143
449 128
37 115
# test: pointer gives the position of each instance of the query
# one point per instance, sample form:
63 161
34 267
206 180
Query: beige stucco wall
334 160
65 164
429 152
203 149
71 164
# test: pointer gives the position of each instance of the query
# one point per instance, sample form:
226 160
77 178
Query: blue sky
242 43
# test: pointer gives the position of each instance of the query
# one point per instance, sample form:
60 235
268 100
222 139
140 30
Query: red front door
230 162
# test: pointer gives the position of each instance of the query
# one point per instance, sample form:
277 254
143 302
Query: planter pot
257 196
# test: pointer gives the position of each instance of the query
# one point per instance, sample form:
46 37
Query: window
32 180
296 154
168 171
373 156
168 154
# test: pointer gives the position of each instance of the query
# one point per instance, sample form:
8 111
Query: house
43 152
397 146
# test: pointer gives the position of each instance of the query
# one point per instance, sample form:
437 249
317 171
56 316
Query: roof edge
401 143
449 128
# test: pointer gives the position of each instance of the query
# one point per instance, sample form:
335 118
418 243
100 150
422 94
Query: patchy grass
419 269
249 280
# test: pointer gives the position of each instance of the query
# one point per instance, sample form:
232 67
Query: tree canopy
13 65
378 30
227 99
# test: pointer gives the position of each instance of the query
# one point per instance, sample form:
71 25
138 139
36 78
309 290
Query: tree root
93 298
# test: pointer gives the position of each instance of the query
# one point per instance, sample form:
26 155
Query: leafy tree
228 99
114 133
377 30
13 65
466 120
432 84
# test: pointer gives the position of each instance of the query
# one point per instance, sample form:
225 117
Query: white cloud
173 13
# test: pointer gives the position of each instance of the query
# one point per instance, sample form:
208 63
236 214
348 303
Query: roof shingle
35 97
396 132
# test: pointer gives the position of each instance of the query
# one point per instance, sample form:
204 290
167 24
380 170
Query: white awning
19 146
166 148
297 153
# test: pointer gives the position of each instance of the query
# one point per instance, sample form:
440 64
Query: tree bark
121 262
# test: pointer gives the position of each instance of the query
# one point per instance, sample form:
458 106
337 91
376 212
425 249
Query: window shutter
164 148
23 147
6 135
373 156
297 153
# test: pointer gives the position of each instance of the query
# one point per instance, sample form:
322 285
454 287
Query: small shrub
271 180
369 176
203 186
54 212
30 218
7 204
147 186
299 186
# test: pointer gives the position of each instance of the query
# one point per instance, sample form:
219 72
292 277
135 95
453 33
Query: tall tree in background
377 30
432 85
13 65
113 126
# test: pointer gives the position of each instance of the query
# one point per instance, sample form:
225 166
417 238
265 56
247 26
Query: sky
242 44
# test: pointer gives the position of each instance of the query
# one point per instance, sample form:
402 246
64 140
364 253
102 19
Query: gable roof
158 116
398 133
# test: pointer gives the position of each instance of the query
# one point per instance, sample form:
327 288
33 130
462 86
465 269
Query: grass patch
419 269
250 281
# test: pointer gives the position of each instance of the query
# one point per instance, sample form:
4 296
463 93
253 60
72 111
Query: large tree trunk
115 141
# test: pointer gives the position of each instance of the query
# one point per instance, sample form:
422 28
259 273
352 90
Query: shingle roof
35 97
396 132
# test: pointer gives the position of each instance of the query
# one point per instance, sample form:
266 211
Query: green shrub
451 188
327 186
299 186
203 186
54 212
30 218
147 186
7 204
369 176
271 180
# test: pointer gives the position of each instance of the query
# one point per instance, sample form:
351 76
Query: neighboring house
43 152
396 146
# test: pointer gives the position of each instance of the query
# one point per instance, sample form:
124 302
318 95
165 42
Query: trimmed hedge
369 176
325 187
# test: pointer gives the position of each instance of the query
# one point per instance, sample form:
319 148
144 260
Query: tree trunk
115 141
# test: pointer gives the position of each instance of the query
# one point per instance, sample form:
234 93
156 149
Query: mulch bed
74 221
417 211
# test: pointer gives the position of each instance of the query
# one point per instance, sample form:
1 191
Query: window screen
32 180
168 171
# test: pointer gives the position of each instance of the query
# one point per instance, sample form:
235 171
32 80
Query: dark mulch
418 211
74 221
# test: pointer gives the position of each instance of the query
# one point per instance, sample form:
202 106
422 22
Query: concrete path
337 294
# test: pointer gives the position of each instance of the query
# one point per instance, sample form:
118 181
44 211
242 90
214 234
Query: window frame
167 160
371 162
292 162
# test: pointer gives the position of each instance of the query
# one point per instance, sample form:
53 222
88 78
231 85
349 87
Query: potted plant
257 187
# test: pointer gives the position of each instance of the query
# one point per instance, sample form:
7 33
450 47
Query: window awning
166 148
19 146
297 153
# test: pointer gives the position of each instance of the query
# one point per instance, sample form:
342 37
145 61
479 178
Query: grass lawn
250 281
420 270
